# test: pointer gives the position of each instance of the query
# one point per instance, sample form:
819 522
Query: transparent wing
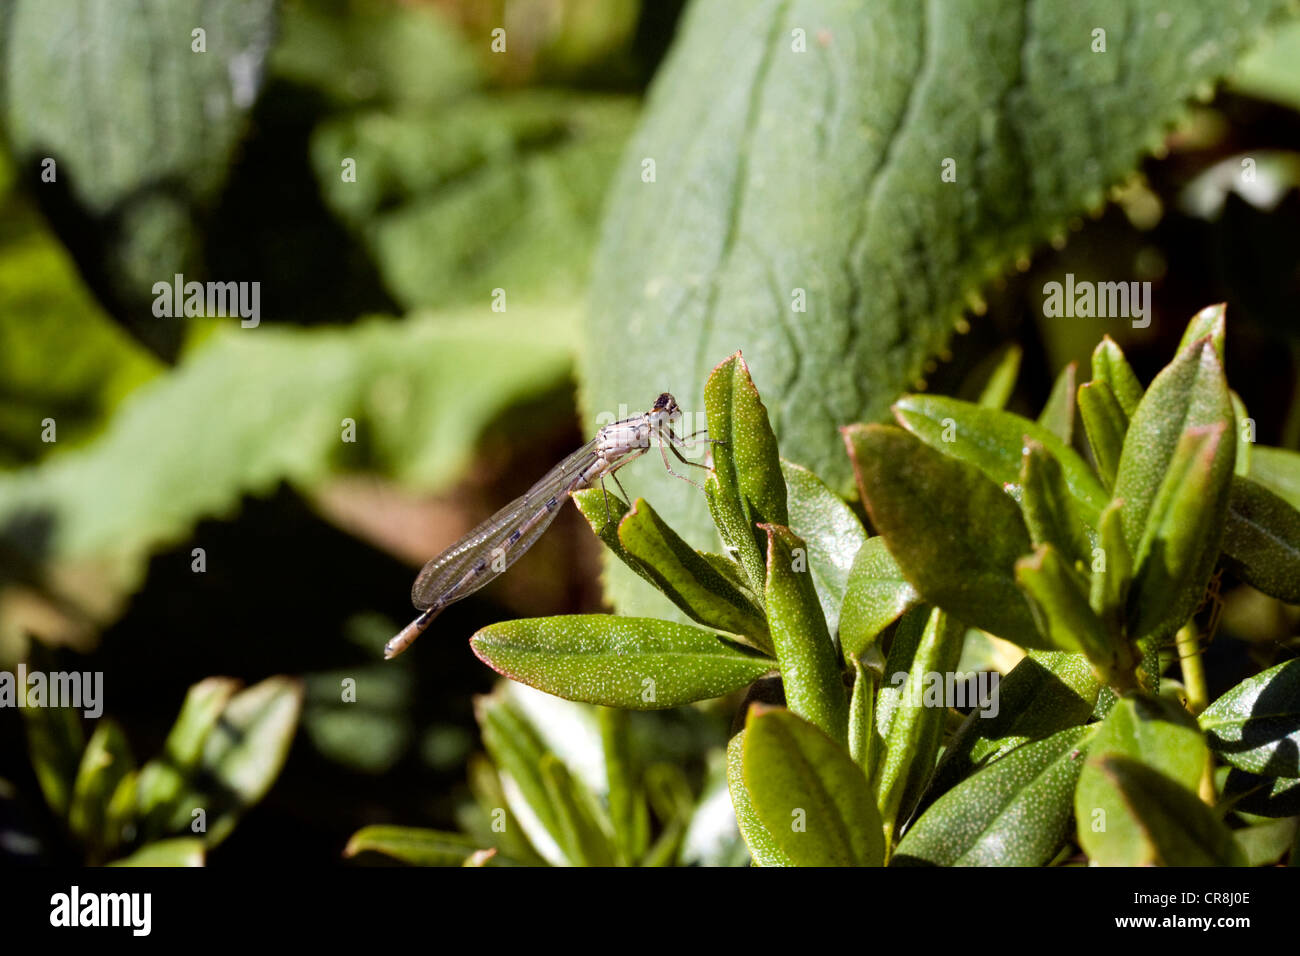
501 540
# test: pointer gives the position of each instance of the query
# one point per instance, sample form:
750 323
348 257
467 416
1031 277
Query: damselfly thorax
488 550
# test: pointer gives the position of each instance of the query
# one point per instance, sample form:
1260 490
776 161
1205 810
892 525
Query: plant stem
1189 657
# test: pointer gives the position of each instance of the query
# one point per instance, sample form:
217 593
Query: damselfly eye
665 403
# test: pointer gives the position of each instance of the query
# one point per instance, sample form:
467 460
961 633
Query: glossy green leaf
954 533
687 578
747 486
1131 815
1210 321
810 664
179 851
106 761
243 753
1189 393
763 847
810 795
902 651
916 726
1184 528
1256 725
831 531
1057 415
1110 366
1059 595
1049 510
1047 692
876 596
994 441
1013 812
1106 423
1278 470
638 663
1261 540
843 210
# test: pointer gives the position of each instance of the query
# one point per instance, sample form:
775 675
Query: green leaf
508 835
1013 812
1211 321
1047 692
628 812
1184 528
143 128
877 595
106 761
1244 430
180 851
637 663
1112 569
1189 393
486 191
862 719
1111 367
244 752
163 780
994 440
1058 414
1262 796
55 738
810 795
415 845
580 830
1267 843
954 533
689 580
1059 596
992 381
1132 815
810 665
418 390
847 203
1156 732
1261 540
1256 725
762 846
917 722
1050 512
832 532
1278 470
1105 422
746 486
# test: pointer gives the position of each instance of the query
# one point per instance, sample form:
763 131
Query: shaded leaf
180 851
1261 540
415 845
876 596
1057 415
1106 423
1256 725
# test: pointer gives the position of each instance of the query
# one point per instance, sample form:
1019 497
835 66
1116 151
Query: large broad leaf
798 157
1014 812
634 662
140 123
494 192
1256 725
810 795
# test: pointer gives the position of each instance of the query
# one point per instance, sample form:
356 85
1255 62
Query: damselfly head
666 408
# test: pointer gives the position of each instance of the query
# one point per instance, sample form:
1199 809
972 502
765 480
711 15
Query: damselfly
497 543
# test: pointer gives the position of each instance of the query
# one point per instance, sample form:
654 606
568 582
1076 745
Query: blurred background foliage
476 171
